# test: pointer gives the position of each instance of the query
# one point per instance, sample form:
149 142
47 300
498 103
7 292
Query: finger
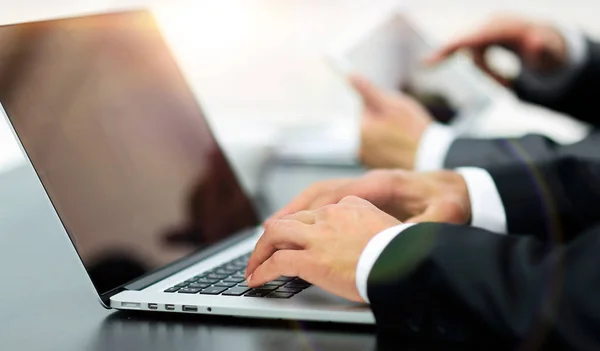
483 38
372 96
442 54
279 234
318 195
291 263
306 217
480 61
330 199
354 200
468 42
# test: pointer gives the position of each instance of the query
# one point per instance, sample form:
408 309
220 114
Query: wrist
414 194
455 191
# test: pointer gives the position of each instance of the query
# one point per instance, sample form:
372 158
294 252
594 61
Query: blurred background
258 68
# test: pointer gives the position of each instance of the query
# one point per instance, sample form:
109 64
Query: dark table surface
47 302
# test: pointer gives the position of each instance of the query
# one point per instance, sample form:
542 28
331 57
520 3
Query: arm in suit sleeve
461 283
546 189
571 91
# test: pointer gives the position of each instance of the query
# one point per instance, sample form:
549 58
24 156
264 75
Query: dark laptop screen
119 143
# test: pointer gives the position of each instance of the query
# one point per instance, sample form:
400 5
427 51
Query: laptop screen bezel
165 271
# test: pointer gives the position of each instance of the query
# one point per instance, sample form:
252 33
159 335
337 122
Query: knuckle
328 210
351 198
278 258
270 225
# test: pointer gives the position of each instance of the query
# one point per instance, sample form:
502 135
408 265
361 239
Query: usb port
153 306
190 309
170 307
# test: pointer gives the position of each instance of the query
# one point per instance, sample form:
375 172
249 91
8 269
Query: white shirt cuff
433 147
371 253
487 210
548 85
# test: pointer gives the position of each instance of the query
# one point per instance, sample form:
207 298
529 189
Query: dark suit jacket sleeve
546 189
459 283
580 98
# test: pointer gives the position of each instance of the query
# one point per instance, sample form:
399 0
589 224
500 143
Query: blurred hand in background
393 123
539 46
408 196
391 127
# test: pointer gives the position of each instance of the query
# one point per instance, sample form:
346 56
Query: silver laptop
135 175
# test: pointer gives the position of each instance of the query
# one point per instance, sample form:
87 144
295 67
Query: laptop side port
131 305
170 307
190 309
153 306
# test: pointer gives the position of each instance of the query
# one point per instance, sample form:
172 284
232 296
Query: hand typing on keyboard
228 280
321 246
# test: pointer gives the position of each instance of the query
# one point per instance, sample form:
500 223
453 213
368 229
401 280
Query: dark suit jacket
458 283
539 286
533 200
579 100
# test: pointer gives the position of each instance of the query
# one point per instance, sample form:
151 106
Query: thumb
372 96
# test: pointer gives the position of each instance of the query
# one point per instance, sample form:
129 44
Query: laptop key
279 295
288 290
225 284
269 286
172 290
243 285
239 274
237 291
207 280
297 284
233 280
189 291
199 285
275 283
225 271
217 276
213 290
181 285
283 279
258 292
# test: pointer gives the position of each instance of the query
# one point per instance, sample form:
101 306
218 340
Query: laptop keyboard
228 280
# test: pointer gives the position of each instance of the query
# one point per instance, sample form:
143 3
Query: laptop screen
119 143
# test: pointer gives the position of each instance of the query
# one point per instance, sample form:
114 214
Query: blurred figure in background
513 256
561 71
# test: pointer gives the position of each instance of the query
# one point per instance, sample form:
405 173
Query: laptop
136 178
